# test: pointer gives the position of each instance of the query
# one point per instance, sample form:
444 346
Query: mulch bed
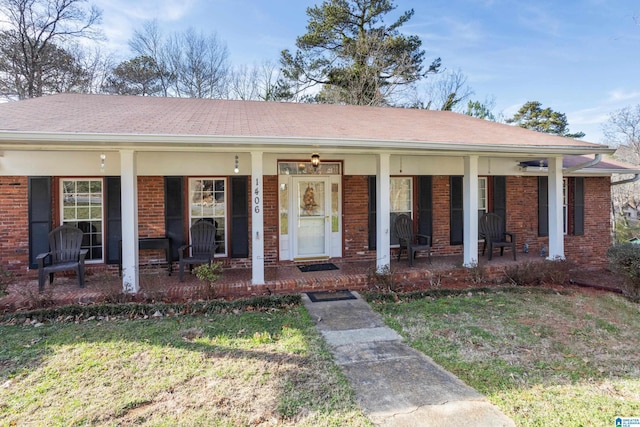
603 279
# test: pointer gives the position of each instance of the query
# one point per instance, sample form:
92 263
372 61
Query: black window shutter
425 205
39 189
174 222
578 206
239 217
113 209
500 197
372 213
456 211
543 206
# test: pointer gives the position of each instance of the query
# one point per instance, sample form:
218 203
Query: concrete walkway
396 385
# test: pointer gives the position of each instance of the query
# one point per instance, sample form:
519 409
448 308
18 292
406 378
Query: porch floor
157 285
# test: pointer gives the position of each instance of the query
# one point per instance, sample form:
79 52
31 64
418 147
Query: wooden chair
492 230
408 241
64 254
203 246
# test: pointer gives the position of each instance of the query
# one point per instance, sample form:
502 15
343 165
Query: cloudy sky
579 57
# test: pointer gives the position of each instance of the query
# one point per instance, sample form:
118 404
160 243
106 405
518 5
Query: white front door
311 217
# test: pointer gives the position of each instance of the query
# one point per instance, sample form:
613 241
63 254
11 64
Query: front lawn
543 358
242 367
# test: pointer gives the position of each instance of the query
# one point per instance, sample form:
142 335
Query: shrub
537 273
381 280
209 274
477 274
6 278
624 259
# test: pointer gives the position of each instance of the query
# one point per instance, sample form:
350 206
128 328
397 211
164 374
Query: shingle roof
131 115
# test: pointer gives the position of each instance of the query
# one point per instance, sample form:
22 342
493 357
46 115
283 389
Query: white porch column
129 204
556 214
257 220
470 206
383 212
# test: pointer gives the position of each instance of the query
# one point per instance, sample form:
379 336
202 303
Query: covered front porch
156 285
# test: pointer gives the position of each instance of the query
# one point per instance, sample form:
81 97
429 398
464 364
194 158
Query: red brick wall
591 248
522 212
588 250
151 216
441 237
151 206
271 216
14 231
355 218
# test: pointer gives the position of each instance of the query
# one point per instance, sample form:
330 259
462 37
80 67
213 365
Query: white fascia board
535 170
95 141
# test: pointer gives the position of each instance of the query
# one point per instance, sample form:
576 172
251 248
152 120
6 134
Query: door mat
330 295
317 267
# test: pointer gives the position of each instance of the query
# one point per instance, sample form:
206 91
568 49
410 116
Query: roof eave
534 170
149 142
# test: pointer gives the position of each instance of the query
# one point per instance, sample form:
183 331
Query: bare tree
35 29
199 63
97 66
189 64
149 42
446 91
623 129
258 82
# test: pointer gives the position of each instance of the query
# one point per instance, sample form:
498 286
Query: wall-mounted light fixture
236 168
103 157
315 160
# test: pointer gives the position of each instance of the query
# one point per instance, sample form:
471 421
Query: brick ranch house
126 168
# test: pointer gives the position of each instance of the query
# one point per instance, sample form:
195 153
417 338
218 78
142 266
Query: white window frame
394 212
483 199
565 205
74 221
225 210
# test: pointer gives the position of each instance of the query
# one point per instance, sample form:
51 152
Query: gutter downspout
590 163
627 181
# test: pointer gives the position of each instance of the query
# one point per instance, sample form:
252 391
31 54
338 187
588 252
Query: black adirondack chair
203 246
64 254
492 230
408 241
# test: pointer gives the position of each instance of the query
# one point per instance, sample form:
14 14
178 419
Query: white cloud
164 10
620 95
588 116
122 17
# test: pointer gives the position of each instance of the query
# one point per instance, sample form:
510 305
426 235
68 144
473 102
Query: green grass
238 368
543 358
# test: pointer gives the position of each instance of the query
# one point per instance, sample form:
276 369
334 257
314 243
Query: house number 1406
256 199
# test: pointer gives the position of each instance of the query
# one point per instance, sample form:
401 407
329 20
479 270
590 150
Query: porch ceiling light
315 160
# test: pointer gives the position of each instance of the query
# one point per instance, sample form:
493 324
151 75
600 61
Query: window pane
335 225
400 195
208 202
82 208
401 202
482 193
284 209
